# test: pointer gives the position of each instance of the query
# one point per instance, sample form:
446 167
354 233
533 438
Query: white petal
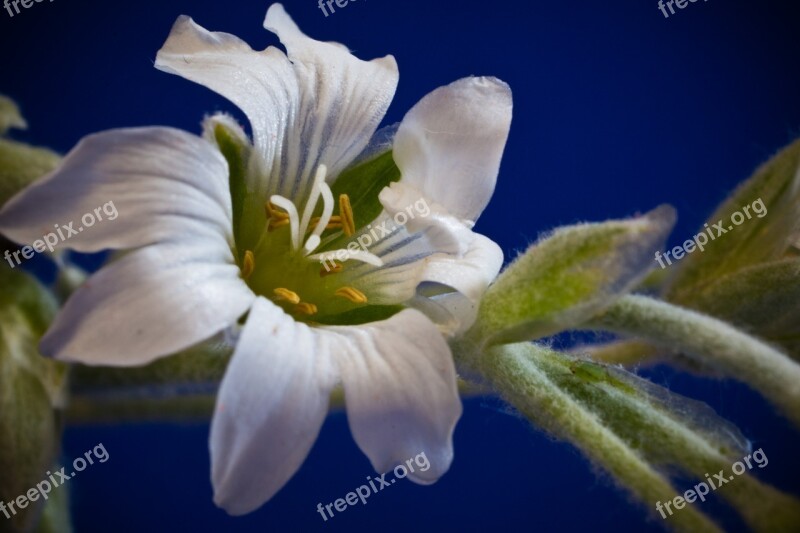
435 248
448 234
270 407
262 84
343 99
400 391
469 274
450 144
153 302
147 184
320 108
452 312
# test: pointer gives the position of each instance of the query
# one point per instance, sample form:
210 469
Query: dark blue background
617 109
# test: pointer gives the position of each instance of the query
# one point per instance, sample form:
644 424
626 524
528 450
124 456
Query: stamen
358 255
335 269
311 204
327 211
275 224
285 295
249 264
294 220
334 223
346 212
273 213
306 308
352 294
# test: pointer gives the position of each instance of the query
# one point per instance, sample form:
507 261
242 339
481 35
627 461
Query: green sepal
363 183
236 151
361 315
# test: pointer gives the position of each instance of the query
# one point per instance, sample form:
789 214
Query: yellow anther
334 223
273 224
332 270
276 218
306 308
346 214
286 295
352 294
273 213
249 264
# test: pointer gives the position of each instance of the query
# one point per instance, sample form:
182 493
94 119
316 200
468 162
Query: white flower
189 275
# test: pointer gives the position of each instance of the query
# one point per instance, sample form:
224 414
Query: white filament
358 255
327 212
322 170
294 219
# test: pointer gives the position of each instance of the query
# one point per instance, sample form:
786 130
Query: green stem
178 388
713 342
513 371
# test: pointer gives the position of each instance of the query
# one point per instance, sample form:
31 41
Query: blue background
617 110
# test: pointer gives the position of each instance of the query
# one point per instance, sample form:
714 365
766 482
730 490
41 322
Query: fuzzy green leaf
636 431
711 342
21 165
30 388
672 432
10 117
531 378
55 516
759 238
763 299
570 276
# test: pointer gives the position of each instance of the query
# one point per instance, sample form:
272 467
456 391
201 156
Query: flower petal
153 302
433 246
450 144
469 274
271 405
320 108
156 183
397 281
400 391
343 99
262 84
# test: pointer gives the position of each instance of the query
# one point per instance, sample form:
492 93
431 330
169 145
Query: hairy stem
712 342
512 370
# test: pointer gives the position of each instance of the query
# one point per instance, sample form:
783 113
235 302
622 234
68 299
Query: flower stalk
713 342
514 370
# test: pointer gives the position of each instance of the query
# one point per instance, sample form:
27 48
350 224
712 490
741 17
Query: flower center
283 267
